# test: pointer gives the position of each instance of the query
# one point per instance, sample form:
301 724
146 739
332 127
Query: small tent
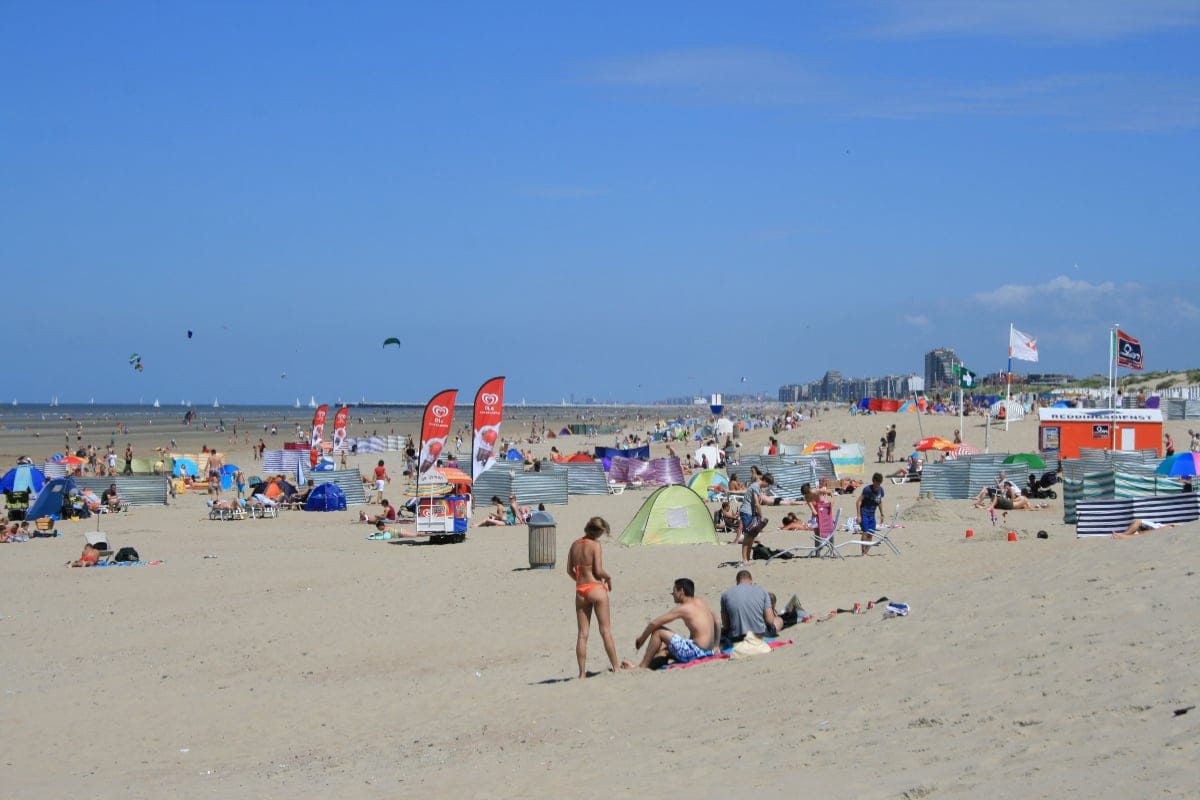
49 501
672 515
702 482
325 497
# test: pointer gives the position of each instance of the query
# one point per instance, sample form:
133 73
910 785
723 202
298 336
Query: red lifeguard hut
1066 430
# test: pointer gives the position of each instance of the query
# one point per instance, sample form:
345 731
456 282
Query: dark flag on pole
1129 351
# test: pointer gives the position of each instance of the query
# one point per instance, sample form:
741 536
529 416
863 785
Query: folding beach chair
822 544
878 536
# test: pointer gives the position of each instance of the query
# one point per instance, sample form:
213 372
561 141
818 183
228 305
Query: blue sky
621 201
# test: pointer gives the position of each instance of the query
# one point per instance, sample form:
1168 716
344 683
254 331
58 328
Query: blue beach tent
49 501
326 497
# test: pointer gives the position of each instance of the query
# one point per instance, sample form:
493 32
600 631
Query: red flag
339 427
1129 351
435 427
489 411
319 425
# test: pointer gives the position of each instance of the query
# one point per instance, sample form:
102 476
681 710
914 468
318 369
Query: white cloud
1104 101
728 74
1058 290
917 321
1069 20
749 76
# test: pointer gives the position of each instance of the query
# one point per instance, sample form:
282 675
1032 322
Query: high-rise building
939 368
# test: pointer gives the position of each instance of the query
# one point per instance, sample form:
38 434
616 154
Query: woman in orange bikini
592 585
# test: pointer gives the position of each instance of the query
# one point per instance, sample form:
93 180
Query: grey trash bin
542 530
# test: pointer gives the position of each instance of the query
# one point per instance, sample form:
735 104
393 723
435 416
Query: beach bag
752 645
126 554
757 523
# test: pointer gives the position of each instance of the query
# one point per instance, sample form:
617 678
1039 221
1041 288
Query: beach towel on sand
129 563
724 655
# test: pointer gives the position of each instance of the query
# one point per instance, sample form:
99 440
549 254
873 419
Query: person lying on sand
89 558
791 522
1011 500
1140 526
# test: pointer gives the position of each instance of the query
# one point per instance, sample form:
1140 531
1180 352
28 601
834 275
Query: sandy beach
291 657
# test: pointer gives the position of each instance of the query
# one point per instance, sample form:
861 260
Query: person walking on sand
592 588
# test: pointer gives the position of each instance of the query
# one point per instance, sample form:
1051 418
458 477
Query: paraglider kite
391 340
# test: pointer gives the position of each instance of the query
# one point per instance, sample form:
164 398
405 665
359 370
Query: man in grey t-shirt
746 608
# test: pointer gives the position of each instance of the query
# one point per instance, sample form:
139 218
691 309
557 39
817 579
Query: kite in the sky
189 334
135 361
391 340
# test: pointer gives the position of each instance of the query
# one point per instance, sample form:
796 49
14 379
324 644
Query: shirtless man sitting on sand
704 630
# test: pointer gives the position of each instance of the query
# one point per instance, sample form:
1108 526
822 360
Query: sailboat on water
156 405
54 401
215 403
297 402
312 401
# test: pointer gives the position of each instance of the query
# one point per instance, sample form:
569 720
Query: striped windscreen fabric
790 472
532 488
497 481
984 470
139 490
1182 408
1083 487
663 472
282 461
583 479
350 481
946 481
657 472
371 444
849 460
1141 484
1104 517
54 469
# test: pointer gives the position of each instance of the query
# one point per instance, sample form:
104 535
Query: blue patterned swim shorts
685 650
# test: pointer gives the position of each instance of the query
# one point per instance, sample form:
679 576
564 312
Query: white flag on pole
1021 346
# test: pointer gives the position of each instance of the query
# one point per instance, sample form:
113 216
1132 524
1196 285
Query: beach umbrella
965 449
74 460
1031 460
820 447
1180 465
934 443
23 478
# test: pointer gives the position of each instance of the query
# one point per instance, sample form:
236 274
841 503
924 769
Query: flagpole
961 400
1112 428
1008 382
1112 360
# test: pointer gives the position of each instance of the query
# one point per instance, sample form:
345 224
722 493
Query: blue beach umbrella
1180 465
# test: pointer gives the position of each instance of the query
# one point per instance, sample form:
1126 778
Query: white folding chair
822 546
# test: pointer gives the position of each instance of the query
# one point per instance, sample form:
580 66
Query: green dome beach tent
702 482
672 515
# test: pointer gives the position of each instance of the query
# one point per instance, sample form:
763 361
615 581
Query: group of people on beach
746 608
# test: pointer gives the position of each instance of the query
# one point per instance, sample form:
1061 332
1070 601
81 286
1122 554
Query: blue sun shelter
326 497
23 478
